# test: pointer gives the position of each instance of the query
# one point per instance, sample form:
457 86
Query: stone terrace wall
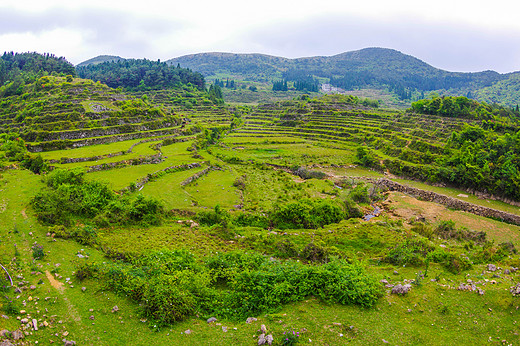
450 202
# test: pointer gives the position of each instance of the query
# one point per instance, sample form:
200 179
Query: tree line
141 74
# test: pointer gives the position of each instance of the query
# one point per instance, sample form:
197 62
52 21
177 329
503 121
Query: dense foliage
460 106
141 74
174 285
68 196
18 69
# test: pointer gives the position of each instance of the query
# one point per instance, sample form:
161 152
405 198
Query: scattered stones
115 309
507 272
263 328
269 338
3 332
211 320
480 291
336 323
491 267
401 289
396 272
261 339
91 317
384 281
187 331
6 343
68 342
35 324
224 329
24 320
32 287
515 290
251 319
83 289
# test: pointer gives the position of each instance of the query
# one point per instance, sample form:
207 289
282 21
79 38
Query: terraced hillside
164 217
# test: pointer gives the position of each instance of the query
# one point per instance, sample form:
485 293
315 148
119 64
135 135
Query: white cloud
439 32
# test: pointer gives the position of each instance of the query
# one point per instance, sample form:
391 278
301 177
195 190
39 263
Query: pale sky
453 35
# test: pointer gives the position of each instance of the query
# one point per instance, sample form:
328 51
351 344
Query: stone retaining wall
199 174
450 202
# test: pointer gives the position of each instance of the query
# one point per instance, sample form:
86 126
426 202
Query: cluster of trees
462 107
215 94
18 69
280 85
141 74
230 84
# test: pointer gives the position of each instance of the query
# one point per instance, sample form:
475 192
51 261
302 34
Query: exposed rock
35 324
269 339
480 291
17 335
91 317
211 320
251 319
507 272
384 281
115 309
224 329
263 328
491 267
401 289
83 289
515 290
68 342
261 339
24 320
6 343
32 287
187 331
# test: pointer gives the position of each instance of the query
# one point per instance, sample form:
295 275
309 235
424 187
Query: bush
307 214
218 216
37 251
411 252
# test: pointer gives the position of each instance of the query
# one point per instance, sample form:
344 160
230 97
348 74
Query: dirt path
73 312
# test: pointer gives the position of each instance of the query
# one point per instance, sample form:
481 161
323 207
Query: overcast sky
453 35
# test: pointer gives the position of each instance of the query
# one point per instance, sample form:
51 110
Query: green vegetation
152 211
140 74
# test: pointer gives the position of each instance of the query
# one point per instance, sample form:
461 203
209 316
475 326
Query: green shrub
411 252
37 251
218 216
308 214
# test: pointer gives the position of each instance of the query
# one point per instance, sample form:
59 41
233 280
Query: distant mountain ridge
365 68
380 68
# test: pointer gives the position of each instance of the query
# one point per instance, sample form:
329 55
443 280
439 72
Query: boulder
491 267
401 289
515 290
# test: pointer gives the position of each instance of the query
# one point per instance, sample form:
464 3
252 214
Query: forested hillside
17 69
407 77
135 74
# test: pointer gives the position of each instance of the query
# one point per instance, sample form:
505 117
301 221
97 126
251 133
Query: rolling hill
370 68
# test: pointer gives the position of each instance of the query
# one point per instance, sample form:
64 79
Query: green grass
169 191
215 188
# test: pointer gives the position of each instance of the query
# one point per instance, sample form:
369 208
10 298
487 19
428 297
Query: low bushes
68 196
172 285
